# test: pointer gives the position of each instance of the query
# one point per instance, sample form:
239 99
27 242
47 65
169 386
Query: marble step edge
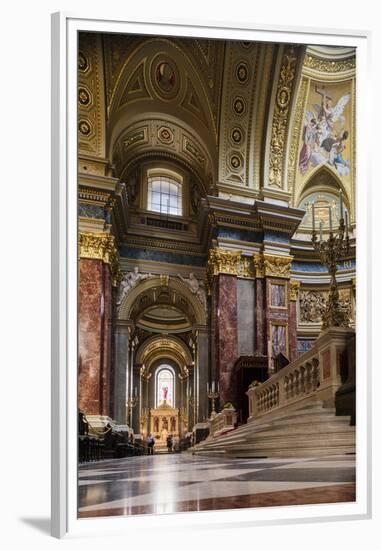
287 443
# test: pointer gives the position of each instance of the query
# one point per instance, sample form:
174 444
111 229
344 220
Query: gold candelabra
213 394
333 249
131 404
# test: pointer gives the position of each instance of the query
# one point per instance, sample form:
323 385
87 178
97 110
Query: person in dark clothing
150 444
169 443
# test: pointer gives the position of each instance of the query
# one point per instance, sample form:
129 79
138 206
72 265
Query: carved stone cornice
294 290
329 65
222 261
281 115
276 266
101 246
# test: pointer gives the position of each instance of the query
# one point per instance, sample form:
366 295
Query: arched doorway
165 334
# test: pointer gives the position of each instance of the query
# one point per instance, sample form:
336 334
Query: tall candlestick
330 219
341 205
313 217
321 230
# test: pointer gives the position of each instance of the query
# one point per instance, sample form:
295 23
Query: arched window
165 195
165 387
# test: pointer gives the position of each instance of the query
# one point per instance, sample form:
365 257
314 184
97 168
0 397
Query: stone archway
140 343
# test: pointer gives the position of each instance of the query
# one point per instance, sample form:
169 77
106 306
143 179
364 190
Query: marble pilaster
94 315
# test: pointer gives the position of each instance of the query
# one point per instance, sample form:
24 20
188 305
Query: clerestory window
165 195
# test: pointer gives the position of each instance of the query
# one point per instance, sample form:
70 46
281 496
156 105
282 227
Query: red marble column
94 314
224 316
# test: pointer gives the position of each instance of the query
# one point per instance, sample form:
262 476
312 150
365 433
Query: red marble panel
94 314
226 336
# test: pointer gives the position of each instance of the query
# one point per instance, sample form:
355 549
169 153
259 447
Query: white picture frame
65 28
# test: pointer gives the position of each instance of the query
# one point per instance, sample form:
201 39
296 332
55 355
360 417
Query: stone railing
314 376
222 422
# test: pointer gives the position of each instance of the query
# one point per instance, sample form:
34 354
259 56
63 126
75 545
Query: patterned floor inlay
179 483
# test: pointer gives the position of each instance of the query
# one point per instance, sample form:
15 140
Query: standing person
169 443
150 444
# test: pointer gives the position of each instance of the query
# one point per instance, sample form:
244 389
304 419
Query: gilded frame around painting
65 29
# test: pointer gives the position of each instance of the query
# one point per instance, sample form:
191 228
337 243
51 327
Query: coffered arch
162 290
159 80
164 347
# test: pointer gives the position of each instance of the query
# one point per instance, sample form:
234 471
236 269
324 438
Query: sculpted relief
196 287
312 304
130 279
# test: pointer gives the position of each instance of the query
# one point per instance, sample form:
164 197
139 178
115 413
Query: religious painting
278 295
326 131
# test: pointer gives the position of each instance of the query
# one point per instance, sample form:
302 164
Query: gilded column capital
294 290
277 266
101 246
259 266
223 261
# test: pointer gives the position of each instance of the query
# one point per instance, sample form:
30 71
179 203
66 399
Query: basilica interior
217 274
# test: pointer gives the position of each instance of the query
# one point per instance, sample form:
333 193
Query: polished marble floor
170 483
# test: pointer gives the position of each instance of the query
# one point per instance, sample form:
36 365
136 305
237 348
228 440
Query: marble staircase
311 430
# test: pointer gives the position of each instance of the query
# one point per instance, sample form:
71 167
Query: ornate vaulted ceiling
232 115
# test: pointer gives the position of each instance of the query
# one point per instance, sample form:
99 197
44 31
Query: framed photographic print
210 318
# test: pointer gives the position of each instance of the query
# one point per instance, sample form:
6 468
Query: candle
313 217
321 230
207 387
136 391
218 387
213 386
330 219
341 205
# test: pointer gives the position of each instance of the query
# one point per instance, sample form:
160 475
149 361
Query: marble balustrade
315 375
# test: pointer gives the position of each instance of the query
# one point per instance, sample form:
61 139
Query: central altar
164 421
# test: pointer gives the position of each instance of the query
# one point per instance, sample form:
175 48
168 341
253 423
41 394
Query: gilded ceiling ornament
101 246
83 96
277 266
280 117
329 66
235 162
242 73
165 135
239 106
236 135
83 63
296 132
84 127
135 137
294 290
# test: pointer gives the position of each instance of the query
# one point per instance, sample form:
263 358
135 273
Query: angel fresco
324 135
